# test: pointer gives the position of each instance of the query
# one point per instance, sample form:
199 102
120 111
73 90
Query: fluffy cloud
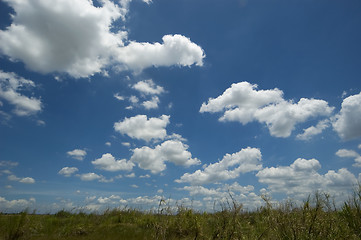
108 163
68 171
242 102
62 36
11 88
348 122
154 159
175 50
139 127
308 133
77 38
246 160
302 178
345 153
148 87
77 154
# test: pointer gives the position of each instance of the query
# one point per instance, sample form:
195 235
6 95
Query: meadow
316 218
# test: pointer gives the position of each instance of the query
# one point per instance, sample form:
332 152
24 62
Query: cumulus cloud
308 133
345 153
77 154
230 167
302 178
78 38
242 102
68 171
148 87
175 50
62 36
154 159
12 87
140 127
348 122
108 163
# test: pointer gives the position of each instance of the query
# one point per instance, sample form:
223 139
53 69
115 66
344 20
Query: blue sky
124 103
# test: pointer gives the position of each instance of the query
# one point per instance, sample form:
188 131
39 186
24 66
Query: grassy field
316 218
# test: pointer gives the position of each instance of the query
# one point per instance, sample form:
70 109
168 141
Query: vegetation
316 218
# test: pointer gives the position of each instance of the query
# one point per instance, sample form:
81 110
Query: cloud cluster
140 127
154 159
27 180
230 167
242 102
78 38
302 177
16 205
12 87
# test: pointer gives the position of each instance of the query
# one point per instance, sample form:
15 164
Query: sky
123 103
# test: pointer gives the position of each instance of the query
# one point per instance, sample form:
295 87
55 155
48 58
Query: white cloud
345 153
154 159
242 102
62 35
16 205
175 50
246 160
11 88
27 180
78 38
148 1
119 97
139 127
131 175
13 178
148 87
108 163
151 104
8 164
77 154
302 178
145 176
133 99
68 171
348 122
90 176
108 144
308 133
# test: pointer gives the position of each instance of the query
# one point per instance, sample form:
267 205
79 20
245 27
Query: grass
316 218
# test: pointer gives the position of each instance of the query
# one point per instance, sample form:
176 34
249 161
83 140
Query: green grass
316 218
